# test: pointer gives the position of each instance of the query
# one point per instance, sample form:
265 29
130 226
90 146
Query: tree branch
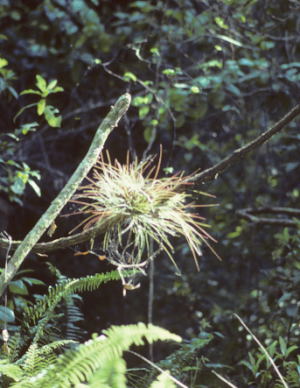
59 243
251 215
214 171
103 131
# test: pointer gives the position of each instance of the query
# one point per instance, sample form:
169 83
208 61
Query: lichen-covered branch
214 171
103 131
59 243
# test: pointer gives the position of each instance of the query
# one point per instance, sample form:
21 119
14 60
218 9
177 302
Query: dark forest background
206 77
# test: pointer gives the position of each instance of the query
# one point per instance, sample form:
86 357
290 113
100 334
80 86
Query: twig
214 171
264 351
104 129
223 379
251 215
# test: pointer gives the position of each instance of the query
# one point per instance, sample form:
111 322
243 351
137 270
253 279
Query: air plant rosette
141 211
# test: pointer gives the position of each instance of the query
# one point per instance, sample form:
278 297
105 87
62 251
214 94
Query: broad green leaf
291 349
195 89
13 91
154 51
128 76
230 40
218 47
169 72
221 23
36 174
143 111
29 127
18 287
148 134
140 100
289 65
181 85
11 162
35 187
139 4
168 170
50 115
6 314
212 63
30 91
32 281
234 90
18 186
41 106
41 83
57 89
283 345
52 84
3 62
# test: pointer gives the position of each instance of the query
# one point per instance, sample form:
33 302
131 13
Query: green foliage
6 78
163 381
43 91
98 362
206 77
18 298
79 365
284 357
64 289
17 176
187 363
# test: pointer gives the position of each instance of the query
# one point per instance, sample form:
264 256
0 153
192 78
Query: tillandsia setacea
138 209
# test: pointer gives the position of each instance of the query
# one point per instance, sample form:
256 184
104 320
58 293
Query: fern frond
15 344
37 358
292 376
138 377
76 366
111 375
72 315
64 289
163 381
10 370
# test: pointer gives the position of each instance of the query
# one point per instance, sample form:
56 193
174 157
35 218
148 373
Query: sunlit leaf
35 187
128 76
41 106
41 83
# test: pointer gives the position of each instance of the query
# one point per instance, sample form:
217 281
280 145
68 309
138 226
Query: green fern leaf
111 375
12 371
64 289
79 365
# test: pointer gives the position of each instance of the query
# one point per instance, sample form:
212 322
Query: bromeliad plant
139 209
